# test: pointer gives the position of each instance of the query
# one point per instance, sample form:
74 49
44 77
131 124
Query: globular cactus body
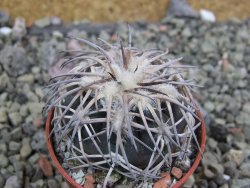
124 109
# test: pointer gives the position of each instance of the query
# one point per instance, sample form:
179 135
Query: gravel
220 51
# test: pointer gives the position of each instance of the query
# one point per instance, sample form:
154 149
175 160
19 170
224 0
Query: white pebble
226 177
207 15
6 31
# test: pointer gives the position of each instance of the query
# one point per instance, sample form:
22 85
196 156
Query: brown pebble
89 181
45 165
176 172
164 182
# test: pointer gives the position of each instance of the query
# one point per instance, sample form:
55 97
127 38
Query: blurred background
213 35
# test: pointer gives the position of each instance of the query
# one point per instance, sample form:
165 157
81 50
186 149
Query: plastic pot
72 182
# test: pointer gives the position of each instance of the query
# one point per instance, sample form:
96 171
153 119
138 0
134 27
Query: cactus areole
125 110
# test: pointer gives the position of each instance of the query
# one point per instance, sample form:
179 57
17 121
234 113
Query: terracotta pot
72 182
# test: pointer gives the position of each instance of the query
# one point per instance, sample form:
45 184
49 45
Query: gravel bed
221 52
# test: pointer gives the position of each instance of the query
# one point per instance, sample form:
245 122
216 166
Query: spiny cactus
125 109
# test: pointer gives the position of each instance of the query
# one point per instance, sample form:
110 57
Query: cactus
124 109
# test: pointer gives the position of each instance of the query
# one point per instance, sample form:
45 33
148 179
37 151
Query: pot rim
72 182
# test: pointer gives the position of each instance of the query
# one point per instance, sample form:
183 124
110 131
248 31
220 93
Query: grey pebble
26 148
44 22
3 115
14 146
3 148
14 182
34 158
15 118
26 78
3 161
52 183
16 134
2 181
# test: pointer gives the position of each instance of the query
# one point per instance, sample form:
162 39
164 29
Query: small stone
113 179
212 143
52 183
212 184
226 177
3 115
38 142
38 183
246 107
104 35
190 182
220 121
241 145
207 15
18 165
202 183
2 181
35 107
14 146
224 186
207 47
245 167
242 183
176 172
4 79
5 135
21 98
16 134
164 182
208 173
89 181
45 165
3 148
19 28
242 119
44 22
3 161
35 70
55 20
14 107
80 181
219 179
5 31
39 92
3 98
79 174
57 34
230 168
37 174
209 157
239 57
65 185
14 182
186 32
219 107
23 111
15 118
26 148
209 106
237 156
26 78
216 167
34 158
